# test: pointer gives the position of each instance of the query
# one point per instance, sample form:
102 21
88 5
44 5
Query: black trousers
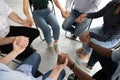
31 33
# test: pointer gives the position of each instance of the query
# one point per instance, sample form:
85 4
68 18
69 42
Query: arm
94 6
93 15
7 40
13 16
19 45
85 38
78 72
57 69
27 12
63 12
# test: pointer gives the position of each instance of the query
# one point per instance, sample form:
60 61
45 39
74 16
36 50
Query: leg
67 24
21 31
100 75
33 60
92 60
39 18
52 21
61 76
80 28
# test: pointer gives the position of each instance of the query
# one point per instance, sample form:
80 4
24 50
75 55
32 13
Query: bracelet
72 66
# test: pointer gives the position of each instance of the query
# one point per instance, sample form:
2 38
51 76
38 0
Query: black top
111 26
39 3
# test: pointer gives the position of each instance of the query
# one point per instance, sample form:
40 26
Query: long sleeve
94 7
69 4
100 13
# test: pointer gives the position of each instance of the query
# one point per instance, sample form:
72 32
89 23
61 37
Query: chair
31 8
73 25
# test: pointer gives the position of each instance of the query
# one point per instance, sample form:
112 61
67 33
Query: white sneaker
79 61
56 48
51 49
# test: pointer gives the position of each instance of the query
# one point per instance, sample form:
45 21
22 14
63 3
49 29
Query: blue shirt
23 72
116 58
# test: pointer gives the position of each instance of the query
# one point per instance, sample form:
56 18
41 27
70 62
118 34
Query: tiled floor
66 45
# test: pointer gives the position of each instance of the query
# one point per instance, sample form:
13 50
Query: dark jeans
33 60
31 33
107 64
61 76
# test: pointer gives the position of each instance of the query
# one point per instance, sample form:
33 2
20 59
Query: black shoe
73 37
37 74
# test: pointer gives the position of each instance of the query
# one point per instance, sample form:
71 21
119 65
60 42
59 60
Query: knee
63 72
36 32
46 30
37 57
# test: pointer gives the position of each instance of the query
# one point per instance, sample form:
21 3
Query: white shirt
84 6
4 13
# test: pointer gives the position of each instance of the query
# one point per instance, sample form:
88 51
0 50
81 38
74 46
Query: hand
81 18
65 14
30 21
62 57
20 43
61 66
85 38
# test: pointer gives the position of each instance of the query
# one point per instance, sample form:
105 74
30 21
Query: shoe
73 37
37 74
51 49
82 54
56 48
79 51
79 61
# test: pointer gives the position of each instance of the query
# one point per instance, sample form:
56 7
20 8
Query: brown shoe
79 51
84 55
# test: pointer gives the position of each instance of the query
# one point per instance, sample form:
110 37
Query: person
110 68
77 7
29 66
8 32
44 17
108 33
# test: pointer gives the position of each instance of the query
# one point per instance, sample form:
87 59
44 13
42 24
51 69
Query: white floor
66 45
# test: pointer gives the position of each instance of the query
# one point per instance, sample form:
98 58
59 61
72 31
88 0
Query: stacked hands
28 22
19 44
64 59
85 38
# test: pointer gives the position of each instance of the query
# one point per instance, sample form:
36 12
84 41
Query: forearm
13 16
80 74
101 50
6 40
54 74
26 8
57 3
8 58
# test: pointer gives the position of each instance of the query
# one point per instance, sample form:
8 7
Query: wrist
72 66
90 43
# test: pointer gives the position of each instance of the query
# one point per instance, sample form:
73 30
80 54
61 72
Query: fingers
21 41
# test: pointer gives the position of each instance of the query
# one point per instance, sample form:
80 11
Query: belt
39 8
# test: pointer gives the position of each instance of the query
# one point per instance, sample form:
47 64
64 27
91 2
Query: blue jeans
79 27
33 60
61 76
45 19
106 44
